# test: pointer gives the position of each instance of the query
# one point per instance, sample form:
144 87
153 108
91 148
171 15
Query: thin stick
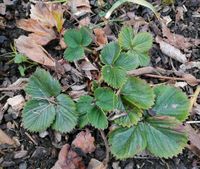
194 98
168 78
106 160
11 88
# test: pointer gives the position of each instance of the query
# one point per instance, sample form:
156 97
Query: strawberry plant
145 117
76 41
48 106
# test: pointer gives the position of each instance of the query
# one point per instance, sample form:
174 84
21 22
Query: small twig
194 98
192 122
106 160
168 78
29 136
11 88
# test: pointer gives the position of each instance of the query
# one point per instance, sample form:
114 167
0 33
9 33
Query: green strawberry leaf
84 105
142 42
125 37
127 142
97 118
19 58
165 136
141 59
42 85
73 38
66 116
126 61
74 54
110 53
106 99
114 76
38 115
86 36
138 93
132 117
171 101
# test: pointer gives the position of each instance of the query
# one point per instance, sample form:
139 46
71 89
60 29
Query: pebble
23 165
20 154
44 134
129 165
39 152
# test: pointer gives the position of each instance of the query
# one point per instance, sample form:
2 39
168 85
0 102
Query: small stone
58 136
39 152
23 165
95 164
129 166
44 134
115 165
20 154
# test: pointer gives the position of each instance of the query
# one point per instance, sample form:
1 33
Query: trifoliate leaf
84 105
74 54
165 136
38 115
171 102
138 93
42 85
114 76
142 42
110 53
126 61
73 38
141 59
97 118
131 118
86 37
66 116
127 142
126 37
106 99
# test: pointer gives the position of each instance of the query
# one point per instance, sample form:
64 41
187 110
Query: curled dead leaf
100 36
171 51
190 79
33 51
5 139
84 141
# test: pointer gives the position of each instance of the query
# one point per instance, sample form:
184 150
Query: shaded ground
43 152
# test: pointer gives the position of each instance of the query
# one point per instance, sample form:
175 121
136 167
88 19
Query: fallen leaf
171 51
95 164
68 159
25 45
87 65
16 102
194 139
100 36
84 22
5 139
84 141
190 79
178 41
79 7
2 9
180 13
190 65
41 33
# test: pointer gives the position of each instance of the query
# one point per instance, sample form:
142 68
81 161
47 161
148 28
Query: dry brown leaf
84 141
33 51
5 139
41 33
180 13
84 22
100 36
44 17
194 139
178 41
79 7
190 79
87 65
68 159
171 51
2 9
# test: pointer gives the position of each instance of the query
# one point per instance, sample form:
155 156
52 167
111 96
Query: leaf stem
90 50
106 160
